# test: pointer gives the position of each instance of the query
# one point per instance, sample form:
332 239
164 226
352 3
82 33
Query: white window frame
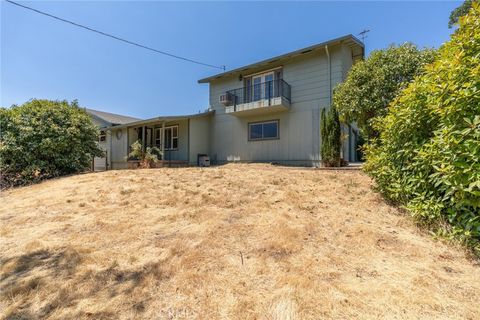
262 77
162 139
250 124
157 141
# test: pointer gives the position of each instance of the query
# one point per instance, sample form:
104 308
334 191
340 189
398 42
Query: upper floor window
262 86
266 130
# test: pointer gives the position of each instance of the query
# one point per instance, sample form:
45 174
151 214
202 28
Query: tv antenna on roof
363 34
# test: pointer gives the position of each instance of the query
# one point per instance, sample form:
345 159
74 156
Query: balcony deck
268 97
264 106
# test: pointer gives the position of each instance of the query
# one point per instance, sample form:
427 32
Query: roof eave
160 119
100 115
283 56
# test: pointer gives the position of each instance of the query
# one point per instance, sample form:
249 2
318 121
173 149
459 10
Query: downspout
329 75
329 67
330 87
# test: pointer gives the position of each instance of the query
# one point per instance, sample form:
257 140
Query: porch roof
161 119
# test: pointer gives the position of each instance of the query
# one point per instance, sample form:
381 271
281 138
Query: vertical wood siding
299 127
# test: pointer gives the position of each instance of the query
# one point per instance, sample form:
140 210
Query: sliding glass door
263 87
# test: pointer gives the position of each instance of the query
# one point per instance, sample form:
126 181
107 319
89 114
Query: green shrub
147 158
372 84
427 157
331 138
43 139
459 11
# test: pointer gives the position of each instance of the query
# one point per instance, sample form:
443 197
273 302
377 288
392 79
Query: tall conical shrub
331 134
323 135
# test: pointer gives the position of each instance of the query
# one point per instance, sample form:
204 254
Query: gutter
161 119
269 62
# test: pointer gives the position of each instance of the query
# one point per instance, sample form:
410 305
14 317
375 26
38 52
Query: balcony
266 97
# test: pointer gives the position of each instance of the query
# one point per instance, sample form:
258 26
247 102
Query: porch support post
188 140
163 140
144 132
128 141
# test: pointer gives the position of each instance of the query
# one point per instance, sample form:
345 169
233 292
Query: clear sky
45 58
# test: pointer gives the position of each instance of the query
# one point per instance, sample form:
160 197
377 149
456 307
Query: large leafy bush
428 154
42 139
459 12
372 84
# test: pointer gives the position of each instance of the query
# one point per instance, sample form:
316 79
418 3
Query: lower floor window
103 136
263 130
170 137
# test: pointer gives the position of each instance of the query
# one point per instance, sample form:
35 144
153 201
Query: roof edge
283 56
104 116
164 118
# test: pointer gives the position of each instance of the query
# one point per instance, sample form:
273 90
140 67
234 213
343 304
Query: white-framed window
102 136
262 85
170 138
265 130
158 137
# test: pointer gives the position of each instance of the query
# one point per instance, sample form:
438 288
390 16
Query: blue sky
45 58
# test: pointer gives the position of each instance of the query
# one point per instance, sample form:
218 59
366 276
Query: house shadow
48 270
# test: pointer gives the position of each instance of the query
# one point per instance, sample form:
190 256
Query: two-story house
268 111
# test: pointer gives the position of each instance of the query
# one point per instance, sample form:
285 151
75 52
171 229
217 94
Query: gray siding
225 136
199 134
118 149
193 138
299 141
182 152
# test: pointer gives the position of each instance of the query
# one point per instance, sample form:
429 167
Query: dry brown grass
231 242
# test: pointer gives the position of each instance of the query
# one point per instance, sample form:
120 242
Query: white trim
162 139
262 84
261 72
155 131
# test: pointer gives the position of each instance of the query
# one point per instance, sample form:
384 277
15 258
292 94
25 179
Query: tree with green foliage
459 12
373 83
427 157
42 139
330 132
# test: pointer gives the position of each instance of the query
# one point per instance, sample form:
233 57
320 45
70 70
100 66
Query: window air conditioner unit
226 99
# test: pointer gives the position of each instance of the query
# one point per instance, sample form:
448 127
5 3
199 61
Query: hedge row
427 157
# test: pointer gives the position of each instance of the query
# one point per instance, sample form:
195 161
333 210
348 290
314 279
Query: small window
263 130
102 136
